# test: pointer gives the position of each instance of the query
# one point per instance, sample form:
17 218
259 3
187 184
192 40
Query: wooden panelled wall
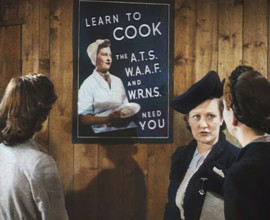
125 181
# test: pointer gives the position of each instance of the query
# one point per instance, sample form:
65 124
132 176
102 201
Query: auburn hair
248 96
25 105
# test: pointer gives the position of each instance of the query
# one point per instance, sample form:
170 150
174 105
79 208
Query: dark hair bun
250 99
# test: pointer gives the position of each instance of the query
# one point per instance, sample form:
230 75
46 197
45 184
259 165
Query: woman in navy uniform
200 166
247 115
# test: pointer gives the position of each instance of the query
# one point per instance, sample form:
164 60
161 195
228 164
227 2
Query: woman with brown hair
247 116
30 187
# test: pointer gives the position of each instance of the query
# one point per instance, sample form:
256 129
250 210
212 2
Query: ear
235 121
221 120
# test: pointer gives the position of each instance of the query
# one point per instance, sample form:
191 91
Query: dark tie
108 79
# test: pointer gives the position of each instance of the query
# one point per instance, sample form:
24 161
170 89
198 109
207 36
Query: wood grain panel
134 203
44 37
184 63
206 37
230 41
230 36
13 44
11 57
110 182
61 147
255 34
42 53
4 80
27 39
35 27
157 181
9 10
85 183
268 41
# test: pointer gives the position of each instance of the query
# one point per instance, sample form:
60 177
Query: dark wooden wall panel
122 181
44 37
61 147
85 184
110 182
28 46
230 37
206 37
184 61
134 182
11 53
158 171
255 34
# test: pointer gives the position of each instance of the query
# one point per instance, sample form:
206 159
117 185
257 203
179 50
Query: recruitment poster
139 61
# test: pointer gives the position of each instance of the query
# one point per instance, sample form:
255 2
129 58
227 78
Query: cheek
193 128
98 62
226 116
192 125
216 124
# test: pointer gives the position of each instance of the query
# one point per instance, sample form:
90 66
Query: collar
200 154
102 74
30 143
265 138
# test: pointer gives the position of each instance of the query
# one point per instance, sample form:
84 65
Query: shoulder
253 162
45 166
183 154
257 153
223 154
245 172
227 146
184 150
30 150
115 78
231 148
88 80
26 156
35 159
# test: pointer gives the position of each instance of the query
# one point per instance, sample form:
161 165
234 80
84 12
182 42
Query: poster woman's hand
114 119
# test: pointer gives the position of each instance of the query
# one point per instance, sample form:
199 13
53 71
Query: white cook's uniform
97 98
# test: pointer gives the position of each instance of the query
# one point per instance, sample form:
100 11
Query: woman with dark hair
200 167
247 116
30 186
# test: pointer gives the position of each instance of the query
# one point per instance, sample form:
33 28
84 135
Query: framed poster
123 65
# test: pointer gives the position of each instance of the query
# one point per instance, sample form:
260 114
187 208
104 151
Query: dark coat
247 185
221 156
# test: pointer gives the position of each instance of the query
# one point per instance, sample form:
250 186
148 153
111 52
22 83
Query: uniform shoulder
88 80
30 152
231 147
183 150
114 77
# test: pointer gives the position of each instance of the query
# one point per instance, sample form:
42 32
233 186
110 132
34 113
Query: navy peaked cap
208 87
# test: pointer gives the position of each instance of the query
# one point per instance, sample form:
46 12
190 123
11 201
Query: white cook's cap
92 50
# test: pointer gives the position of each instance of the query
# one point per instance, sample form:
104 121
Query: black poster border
76 138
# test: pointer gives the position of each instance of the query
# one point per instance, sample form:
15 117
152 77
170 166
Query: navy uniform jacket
247 185
222 155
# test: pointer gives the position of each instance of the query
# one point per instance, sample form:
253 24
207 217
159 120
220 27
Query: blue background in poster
146 16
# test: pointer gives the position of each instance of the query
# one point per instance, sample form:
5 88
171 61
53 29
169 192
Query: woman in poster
30 186
102 94
247 115
201 166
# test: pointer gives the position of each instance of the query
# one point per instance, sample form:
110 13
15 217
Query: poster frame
76 137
